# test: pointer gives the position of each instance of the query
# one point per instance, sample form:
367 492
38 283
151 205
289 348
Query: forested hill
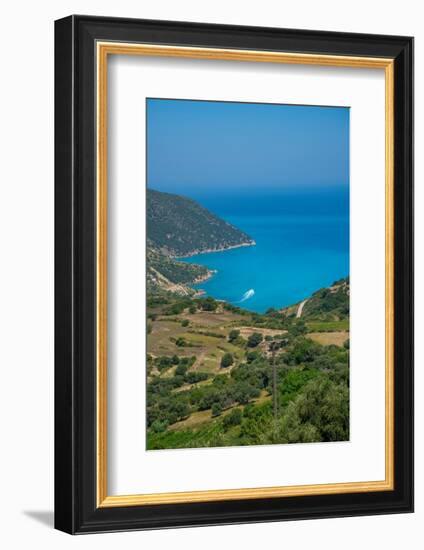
179 226
326 304
165 273
329 303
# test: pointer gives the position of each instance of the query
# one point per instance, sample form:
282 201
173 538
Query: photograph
247 273
233 253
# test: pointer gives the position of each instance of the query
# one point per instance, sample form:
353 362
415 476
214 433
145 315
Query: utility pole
273 348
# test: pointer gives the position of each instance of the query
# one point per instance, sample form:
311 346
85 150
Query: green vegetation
329 304
179 226
219 375
211 379
313 408
163 271
254 339
176 227
207 304
227 360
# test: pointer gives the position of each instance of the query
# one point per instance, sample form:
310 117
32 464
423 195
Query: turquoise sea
302 244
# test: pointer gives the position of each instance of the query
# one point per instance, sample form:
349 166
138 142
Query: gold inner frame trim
104 49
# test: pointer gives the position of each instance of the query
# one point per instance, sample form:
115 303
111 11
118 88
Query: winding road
300 309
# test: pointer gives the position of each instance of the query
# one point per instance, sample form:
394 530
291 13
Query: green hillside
178 226
329 304
219 375
165 273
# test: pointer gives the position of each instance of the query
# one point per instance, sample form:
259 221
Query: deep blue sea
302 244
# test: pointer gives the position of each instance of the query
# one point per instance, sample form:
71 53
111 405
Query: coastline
210 272
211 250
202 278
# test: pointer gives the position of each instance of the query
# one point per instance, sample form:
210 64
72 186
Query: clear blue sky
227 147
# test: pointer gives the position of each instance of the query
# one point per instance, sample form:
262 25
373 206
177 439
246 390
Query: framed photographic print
234 270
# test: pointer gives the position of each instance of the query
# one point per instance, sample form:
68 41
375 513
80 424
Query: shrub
255 392
180 342
153 301
319 413
233 335
233 419
163 363
227 360
216 409
242 393
181 370
195 376
159 426
254 340
208 304
304 351
252 356
184 323
175 309
298 328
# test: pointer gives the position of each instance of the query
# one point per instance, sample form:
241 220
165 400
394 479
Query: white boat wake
246 296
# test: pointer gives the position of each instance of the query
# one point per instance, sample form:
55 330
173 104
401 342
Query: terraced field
206 337
219 375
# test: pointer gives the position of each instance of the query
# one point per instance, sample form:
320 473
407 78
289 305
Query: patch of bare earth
211 318
329 338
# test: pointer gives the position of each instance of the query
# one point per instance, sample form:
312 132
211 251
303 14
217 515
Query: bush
298 328
192 309
319 413
304 351
175 309
159 426
216 409
208 333
184 323
255 392
233 419
194 376
208 304
242 393
254 339
233 335
155 300
252 356
181 370
163 363
180 342
227 360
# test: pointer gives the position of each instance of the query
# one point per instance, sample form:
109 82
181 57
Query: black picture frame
76 510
